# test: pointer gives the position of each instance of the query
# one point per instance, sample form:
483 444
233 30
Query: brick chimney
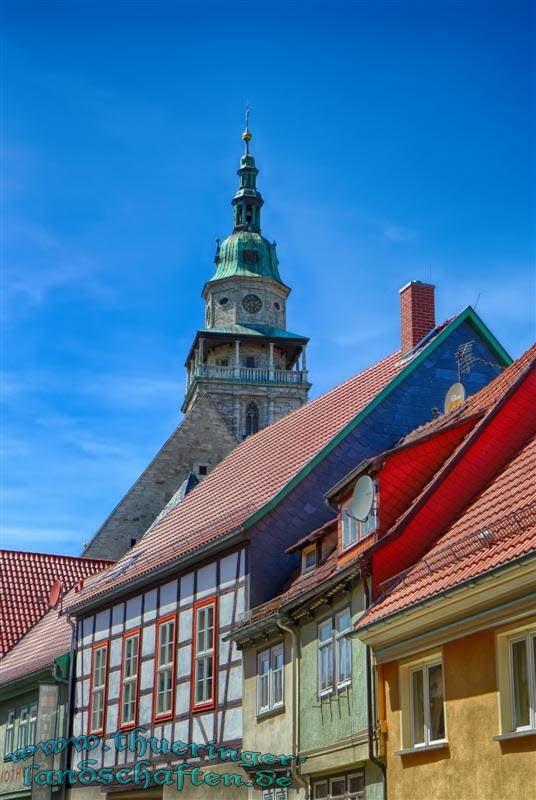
417 313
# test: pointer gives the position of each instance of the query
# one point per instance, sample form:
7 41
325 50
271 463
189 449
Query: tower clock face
252 304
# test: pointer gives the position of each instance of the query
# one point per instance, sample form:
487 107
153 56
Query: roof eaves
282 611
449 590
237 534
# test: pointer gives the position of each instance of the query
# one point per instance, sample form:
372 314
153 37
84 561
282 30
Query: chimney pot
417 313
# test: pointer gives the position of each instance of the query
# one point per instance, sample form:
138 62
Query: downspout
370 721
69 705
295 703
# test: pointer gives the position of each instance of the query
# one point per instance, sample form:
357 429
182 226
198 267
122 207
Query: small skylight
122 568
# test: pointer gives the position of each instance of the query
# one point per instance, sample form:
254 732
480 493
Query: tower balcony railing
253 374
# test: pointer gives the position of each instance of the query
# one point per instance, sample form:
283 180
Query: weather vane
246 136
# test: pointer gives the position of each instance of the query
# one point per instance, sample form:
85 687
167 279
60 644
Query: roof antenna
477 299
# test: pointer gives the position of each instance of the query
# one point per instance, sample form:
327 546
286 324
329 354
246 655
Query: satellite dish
55 593
362 498
455 397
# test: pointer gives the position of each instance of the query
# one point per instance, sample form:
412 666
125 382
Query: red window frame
208 704
129 635
167 715
98 646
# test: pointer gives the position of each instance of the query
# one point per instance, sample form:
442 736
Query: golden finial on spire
246 136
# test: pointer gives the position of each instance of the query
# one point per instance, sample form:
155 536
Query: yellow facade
472 764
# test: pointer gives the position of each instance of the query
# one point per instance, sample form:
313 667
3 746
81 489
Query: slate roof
249 477
498 526
28 576
49 638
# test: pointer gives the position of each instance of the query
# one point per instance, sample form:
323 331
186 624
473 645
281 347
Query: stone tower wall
202 438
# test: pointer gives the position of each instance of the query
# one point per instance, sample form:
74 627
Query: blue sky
394 142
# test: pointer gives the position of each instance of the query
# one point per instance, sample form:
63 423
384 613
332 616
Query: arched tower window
252 419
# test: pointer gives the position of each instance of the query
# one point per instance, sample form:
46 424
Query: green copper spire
245 251
247 201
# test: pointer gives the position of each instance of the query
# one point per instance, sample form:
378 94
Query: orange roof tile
26 577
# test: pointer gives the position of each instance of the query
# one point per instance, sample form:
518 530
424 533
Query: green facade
333 727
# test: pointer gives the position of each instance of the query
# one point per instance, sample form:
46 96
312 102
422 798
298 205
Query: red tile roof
26 577
505 510
48 639
246 480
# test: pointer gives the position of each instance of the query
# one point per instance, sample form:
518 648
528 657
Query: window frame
32 724
327 781
272 706
209 703
10 729
305 552
529 638
425 669
135 679
164 716
361 526
333 642
103 645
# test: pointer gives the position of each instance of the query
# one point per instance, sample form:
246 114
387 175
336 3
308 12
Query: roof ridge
55 555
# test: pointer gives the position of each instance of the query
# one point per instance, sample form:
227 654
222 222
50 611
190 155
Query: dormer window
354 529
309 558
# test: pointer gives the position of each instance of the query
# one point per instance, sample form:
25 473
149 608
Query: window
353 530
309 558
165 668
202 469
22 739
204 654
334 652
32 725
10 730
275 793
250 361
97 692
342 787
522 658
129 679
426 705
222 362
270 679
252 419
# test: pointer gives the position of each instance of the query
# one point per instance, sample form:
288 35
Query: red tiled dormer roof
26 577
499 522
498 527
507 423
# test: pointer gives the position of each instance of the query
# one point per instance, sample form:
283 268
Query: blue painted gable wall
405 408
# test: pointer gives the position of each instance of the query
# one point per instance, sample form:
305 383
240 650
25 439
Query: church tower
245 370
245 359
